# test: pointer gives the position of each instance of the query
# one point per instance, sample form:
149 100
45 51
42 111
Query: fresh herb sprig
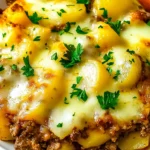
72 55
81 94
109 100
34 18
28 70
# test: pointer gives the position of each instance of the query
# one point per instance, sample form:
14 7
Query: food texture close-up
75 74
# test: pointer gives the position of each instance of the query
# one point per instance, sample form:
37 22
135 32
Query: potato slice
95 75
133 141
4 126
103 35
95 138
110 6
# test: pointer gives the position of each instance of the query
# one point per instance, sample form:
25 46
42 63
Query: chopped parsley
14 67
134 97
74 114
43 9
147 62
1 68
107 57
148 23
130 51
54 56
34 18
100 26
132 60
82 31
109 100
67 28
37 38
109 70
59 125
12 47
83 2
105 13
117 25
65 101
61 12
72 55
3 35
78 79
110 63
81 94
117 74
28 70
97 46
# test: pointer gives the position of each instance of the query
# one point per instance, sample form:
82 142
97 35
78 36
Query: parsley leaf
116 75
109 70
34 18
67 28
81 31
130 51
72 56
54 56
97 46
3 34
60 12
116 26
105 13
78 79
83 1
14 67
12 47
43 9
37 38
147 62
28 70
100 26
132 60
1 68
148 23
65 100
107 57
59 125
109 100
81 94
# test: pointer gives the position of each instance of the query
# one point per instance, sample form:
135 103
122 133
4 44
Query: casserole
75 70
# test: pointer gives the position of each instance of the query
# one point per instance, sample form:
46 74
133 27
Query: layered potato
75 74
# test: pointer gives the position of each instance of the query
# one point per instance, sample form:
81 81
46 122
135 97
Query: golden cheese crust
75 74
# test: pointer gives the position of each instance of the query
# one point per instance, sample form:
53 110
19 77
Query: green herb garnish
107 57
37 38
81 31
130 51
117 74
34 18
83 2
28 70
72 56
109 100
81 94
1 67
54 56
14 67
59 125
